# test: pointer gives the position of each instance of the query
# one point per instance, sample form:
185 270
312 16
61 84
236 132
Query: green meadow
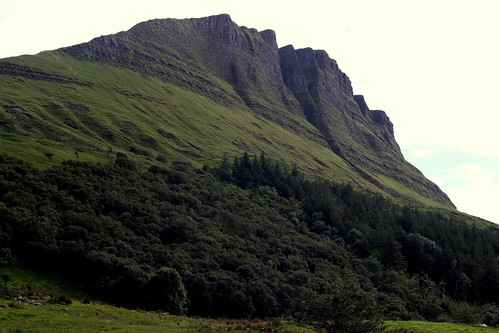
95 317
433 327
79 317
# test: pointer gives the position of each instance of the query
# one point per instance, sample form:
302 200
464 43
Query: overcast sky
432 65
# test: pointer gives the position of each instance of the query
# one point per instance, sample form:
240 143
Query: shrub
167 291
63 300
491 316
17 305
161 158
431 311
346 309
463 312
6 278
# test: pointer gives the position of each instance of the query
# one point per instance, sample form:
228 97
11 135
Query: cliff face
249 61
302 91
362 137
197 54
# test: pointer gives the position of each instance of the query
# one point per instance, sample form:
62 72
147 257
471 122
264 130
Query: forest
249 238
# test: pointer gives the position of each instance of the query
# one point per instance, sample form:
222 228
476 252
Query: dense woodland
246 239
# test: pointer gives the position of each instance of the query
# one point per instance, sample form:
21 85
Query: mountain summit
198 89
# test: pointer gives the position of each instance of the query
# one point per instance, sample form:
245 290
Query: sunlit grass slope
109 109
54 107
432 327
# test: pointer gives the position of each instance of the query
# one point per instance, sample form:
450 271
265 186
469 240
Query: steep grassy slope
113 109
195 90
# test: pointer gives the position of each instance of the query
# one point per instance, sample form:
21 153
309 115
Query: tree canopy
244 239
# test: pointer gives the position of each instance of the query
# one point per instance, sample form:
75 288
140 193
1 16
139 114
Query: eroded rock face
361 102
364 138
19 116
316 82
238 52
326 98
192 53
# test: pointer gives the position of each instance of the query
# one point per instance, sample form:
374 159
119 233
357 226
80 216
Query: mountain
193 166
196 90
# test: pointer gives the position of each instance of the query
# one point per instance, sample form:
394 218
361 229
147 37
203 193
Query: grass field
79 317
430 327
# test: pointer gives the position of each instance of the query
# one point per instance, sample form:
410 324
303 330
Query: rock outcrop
362 137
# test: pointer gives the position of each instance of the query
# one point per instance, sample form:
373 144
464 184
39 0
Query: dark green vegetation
346 308
245 239
84 315
432 327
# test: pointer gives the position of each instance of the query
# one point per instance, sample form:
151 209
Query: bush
6 278
462 312
491 316
6 258
161 158
63 300
431 311
167 292
346 309
17 305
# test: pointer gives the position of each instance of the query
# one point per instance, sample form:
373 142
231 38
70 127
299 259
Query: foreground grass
79 317
431 327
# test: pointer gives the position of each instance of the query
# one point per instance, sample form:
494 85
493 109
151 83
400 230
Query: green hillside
102 110
175 89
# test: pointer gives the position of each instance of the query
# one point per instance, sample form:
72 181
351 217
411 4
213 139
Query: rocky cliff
362 137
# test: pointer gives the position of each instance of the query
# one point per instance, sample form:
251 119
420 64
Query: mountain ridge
302 91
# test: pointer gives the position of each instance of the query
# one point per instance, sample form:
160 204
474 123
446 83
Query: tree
6 278
345 309
49 155
463 284
123 161
167 292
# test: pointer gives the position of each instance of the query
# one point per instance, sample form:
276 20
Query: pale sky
432 65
